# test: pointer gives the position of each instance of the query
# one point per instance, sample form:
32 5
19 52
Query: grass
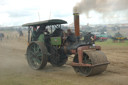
32 80
109 42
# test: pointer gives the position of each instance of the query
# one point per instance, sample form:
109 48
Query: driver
34 33
71 38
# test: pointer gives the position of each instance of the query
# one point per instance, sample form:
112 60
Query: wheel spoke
38 61
37 49
34 48
31 53
35 56
38 54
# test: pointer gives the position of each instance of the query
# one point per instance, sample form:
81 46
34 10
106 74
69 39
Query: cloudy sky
104 11
18 12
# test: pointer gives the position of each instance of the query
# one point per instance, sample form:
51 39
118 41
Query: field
14 69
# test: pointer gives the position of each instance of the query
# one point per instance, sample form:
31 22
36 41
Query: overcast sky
18 12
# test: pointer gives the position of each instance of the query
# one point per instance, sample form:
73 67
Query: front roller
36 55
95 62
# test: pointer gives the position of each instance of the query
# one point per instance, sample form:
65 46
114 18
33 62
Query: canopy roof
46 22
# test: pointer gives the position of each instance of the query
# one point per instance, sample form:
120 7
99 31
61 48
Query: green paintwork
41 38
55 40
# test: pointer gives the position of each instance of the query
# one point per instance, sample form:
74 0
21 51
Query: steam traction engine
45 46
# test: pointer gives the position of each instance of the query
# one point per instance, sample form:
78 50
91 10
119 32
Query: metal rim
35 56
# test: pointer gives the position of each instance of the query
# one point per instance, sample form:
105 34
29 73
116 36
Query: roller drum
96 58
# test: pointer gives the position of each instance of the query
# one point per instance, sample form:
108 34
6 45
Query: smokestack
76 24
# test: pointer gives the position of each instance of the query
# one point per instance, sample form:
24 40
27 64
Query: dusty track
14 69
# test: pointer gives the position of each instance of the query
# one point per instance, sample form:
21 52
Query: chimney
76 24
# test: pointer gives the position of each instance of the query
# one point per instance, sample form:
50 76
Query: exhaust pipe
76 25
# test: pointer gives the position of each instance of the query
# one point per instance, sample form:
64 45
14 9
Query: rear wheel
58 62
35 57
58 57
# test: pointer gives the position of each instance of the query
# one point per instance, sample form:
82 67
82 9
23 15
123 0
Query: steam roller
55 47
94 62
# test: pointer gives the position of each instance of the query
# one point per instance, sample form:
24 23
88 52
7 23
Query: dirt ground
14 69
